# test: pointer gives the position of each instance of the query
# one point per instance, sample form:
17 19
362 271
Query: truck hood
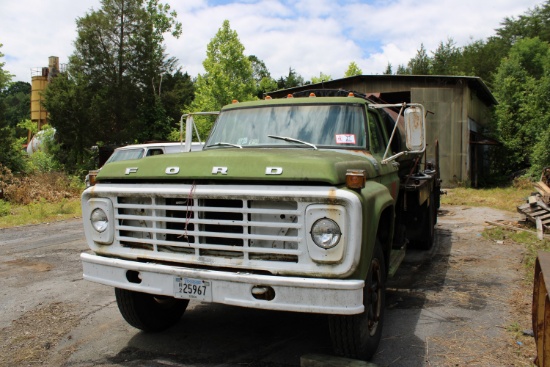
230 164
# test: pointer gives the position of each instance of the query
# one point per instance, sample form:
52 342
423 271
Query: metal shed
459 114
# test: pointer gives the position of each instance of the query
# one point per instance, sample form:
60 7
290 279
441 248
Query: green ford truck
305 204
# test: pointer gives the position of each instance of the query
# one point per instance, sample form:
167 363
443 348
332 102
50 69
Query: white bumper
326 296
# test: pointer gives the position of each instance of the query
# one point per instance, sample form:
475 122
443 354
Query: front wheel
149 312
358 336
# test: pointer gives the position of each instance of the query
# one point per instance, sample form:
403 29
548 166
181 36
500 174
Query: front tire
358 336
149 312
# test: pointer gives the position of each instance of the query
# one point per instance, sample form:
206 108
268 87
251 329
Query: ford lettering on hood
288 164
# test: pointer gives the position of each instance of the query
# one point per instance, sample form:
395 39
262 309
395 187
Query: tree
17 99
482 58
114 77
534 23
259 70
292 80
264 82
228 75
267 85
388 70
420 64
402 70
72 106
446 59
177 93
353 70
321 78
10 152
5 76
522 88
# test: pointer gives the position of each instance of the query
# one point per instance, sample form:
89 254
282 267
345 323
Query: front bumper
311 295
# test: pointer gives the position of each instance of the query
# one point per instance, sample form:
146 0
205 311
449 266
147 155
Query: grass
506 198
41 212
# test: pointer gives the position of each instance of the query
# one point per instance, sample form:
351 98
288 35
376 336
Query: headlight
99 220
325 233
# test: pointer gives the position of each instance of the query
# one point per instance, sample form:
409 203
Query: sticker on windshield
345 138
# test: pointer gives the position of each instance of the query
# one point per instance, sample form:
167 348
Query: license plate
189 288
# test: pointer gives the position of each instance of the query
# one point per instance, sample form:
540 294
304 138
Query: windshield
325 125
125 154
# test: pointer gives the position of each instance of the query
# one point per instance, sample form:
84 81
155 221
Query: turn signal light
267 97
312 94
355 179
350 94
235 101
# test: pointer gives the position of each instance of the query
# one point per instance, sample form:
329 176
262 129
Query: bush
42 162
38 187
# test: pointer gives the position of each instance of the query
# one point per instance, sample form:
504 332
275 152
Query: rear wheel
358 336
149 312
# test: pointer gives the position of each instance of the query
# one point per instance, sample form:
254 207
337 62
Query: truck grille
239 229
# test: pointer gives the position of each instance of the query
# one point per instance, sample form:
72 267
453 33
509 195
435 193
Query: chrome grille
245 229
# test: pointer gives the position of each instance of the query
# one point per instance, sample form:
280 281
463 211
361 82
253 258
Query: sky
309 36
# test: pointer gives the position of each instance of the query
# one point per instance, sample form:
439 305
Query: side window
377 139
154 151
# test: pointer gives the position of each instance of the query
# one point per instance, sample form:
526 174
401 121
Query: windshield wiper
285 138
223 144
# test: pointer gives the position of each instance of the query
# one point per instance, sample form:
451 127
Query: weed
63 207
528 239
5 208
515 328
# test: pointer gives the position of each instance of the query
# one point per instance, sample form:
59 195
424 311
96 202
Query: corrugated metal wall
446 125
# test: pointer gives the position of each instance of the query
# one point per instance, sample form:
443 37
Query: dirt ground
464 303
469 296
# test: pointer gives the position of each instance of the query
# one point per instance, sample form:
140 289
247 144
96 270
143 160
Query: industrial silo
40 78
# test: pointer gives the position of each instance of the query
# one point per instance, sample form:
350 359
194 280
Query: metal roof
474 83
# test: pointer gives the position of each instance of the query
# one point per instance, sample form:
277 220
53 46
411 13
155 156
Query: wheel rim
374 306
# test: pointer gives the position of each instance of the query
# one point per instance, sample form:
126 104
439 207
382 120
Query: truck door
378 143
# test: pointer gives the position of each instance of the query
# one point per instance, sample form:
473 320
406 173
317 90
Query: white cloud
311 36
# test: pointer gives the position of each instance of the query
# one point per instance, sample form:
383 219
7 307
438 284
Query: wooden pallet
535 211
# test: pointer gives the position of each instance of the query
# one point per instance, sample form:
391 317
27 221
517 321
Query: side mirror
415 128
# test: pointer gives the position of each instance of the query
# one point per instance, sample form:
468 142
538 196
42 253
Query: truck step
396 257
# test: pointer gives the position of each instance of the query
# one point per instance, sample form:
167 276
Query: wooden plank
537 312
542 188
536 210
513 228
